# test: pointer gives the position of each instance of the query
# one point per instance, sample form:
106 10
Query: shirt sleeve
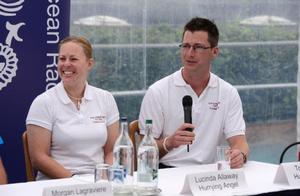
234 121
1 142
111 109
40 113
151 108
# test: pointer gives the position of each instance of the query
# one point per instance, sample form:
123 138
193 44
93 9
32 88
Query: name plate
288 173
211 183
92 189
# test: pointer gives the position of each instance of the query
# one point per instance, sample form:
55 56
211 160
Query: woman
72 126
3 178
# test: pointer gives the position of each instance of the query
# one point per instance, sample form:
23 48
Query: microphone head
187 101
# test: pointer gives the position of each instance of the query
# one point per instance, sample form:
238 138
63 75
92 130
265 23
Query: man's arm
239 151
148 111
180 137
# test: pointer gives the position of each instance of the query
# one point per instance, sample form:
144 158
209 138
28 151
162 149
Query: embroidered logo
214 105
8 58
98 119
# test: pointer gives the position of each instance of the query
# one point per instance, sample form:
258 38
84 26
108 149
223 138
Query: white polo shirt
216 113
78 137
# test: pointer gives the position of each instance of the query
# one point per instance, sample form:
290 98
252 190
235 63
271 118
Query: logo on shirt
98 119
214 105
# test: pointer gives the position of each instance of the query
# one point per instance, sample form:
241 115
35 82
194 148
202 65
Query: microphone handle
188 119
189 129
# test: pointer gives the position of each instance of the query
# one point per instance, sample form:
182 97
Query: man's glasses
196 47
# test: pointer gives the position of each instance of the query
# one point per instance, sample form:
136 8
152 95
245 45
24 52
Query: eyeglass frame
195 47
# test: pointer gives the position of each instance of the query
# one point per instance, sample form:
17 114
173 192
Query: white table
259 177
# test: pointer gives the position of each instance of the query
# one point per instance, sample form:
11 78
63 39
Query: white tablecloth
259 178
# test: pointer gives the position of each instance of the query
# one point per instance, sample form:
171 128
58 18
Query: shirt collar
179 81
64 96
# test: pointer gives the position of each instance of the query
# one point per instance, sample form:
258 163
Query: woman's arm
112 135
3 178
39 141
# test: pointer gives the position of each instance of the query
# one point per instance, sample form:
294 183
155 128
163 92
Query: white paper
288 173
211 183
186 187
91 189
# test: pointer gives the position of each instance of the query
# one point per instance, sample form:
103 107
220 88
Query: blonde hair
84 43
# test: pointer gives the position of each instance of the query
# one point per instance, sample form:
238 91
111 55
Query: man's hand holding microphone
184 135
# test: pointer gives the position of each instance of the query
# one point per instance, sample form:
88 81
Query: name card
211 183
91 189
288 173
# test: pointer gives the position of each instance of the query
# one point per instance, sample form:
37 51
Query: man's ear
215 51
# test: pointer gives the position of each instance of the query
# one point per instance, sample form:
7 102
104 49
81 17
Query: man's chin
190 67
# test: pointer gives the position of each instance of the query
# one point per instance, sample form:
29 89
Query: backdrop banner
29 35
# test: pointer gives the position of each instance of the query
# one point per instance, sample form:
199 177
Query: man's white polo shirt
216 113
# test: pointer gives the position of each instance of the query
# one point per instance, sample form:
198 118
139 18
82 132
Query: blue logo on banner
8 58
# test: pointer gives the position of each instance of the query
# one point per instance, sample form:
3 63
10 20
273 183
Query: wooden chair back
134 132
29 168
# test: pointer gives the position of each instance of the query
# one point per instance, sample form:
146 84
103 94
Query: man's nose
191 50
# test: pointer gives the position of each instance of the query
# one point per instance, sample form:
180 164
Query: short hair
203 24
83 42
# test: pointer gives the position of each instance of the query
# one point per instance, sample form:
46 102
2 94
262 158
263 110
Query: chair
30 174
133 133
284 151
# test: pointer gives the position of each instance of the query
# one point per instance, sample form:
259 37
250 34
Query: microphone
187 103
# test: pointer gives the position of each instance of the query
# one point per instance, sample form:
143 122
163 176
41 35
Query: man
3 179
216 110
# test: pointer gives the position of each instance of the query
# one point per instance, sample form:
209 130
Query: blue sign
29 35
